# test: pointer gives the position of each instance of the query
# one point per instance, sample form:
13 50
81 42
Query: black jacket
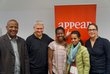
99 55
7 57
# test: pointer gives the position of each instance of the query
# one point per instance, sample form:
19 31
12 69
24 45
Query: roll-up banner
75 17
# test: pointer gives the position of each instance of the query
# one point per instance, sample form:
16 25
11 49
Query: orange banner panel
75 17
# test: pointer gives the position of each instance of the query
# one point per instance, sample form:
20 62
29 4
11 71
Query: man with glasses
99 50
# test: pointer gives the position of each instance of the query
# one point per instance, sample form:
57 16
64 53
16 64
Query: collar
12 38
38 36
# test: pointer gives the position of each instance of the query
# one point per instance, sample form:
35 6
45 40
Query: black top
99 55
38 51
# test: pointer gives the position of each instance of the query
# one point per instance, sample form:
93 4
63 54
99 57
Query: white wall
28 11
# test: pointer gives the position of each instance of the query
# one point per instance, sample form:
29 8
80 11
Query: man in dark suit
13 51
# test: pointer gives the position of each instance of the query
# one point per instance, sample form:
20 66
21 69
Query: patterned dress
59 57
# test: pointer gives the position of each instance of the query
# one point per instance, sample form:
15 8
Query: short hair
39 22
12 20
59 28
77 33
93 25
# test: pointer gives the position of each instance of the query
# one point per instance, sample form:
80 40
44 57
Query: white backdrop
28 11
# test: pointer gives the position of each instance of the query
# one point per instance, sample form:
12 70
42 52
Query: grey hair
39 22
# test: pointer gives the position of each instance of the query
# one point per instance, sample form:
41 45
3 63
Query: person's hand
68 33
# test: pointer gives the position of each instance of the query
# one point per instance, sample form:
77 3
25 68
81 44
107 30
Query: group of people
40 54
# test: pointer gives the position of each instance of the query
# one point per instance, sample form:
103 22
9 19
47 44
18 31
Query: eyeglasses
92 29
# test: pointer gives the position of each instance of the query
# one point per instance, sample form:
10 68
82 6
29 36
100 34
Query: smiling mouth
13 32
61 37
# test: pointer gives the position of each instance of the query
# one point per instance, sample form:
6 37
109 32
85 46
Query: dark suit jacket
7 57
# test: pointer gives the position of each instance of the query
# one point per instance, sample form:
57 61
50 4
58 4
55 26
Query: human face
60 35
39 28
74 39
12 28
92 31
